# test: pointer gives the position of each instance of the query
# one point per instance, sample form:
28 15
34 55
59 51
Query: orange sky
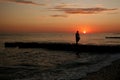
91 16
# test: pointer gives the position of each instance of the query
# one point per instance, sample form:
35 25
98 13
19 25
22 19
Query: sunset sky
59 16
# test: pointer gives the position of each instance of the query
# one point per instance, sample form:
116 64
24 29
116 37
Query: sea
44 64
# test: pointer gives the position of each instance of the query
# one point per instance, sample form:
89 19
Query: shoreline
110 72
66 71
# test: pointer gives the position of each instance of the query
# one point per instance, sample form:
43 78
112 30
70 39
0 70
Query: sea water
97 39
42 64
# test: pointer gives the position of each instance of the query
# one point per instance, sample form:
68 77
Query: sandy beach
111 72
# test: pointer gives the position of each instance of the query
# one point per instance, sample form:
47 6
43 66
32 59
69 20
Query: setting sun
84 31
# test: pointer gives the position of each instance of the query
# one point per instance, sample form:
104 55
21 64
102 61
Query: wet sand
111 72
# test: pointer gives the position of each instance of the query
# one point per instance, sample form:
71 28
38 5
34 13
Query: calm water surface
97 39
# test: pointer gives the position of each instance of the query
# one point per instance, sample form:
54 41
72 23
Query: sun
84 32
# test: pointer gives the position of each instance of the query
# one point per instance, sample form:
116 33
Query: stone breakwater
65 47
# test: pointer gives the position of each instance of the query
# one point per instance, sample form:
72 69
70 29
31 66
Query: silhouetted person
77 37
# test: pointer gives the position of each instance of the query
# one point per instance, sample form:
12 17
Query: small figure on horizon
77 37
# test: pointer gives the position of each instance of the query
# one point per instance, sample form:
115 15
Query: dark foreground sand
111 72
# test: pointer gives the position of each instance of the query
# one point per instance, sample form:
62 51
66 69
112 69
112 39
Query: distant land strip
66 47
112 37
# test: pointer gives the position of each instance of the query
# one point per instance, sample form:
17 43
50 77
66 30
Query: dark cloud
59 15
24 2
95 10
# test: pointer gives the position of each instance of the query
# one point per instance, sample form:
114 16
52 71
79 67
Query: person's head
77 31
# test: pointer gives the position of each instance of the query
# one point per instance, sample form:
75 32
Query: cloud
62 5
24 2
94 10
59 16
